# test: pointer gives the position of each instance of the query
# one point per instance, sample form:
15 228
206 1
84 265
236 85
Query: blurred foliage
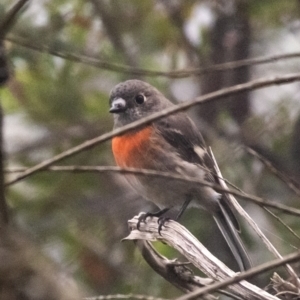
79 219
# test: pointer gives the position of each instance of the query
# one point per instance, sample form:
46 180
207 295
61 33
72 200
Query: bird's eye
140 99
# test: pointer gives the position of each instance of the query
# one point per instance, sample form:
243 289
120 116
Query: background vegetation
54 101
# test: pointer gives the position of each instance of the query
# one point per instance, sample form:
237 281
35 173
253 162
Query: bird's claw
161 222
142 219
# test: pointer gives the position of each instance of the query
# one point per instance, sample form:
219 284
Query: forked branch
178 237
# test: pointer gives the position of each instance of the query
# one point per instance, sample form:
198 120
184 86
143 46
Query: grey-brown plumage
175 145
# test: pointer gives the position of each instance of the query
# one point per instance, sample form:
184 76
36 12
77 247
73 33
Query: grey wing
180 132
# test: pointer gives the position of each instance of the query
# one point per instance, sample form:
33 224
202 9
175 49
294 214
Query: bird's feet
159 214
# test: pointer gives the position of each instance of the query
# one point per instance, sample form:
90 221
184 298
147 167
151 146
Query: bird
171 144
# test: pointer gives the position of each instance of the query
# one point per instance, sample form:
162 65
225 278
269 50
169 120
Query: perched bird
171 144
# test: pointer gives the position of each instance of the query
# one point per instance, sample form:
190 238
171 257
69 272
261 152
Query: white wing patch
176 130
200 152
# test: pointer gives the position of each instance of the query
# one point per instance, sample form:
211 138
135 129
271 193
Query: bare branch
173 271
125 69
145 172
183 241
283 223
251 85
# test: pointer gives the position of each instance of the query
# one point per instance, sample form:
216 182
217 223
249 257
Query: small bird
171 144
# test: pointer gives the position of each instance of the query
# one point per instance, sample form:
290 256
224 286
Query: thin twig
279 174
251 85
174 176
125 69
283 223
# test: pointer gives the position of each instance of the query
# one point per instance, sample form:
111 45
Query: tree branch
174 272
284 224
251 85
183 241
145 172
125 69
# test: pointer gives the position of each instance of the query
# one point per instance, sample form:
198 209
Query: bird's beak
117 106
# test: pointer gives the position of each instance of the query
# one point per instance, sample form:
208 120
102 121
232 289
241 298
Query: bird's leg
183 208
162 220
144 216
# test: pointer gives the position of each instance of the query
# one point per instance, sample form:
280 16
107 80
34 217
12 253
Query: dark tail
232 238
